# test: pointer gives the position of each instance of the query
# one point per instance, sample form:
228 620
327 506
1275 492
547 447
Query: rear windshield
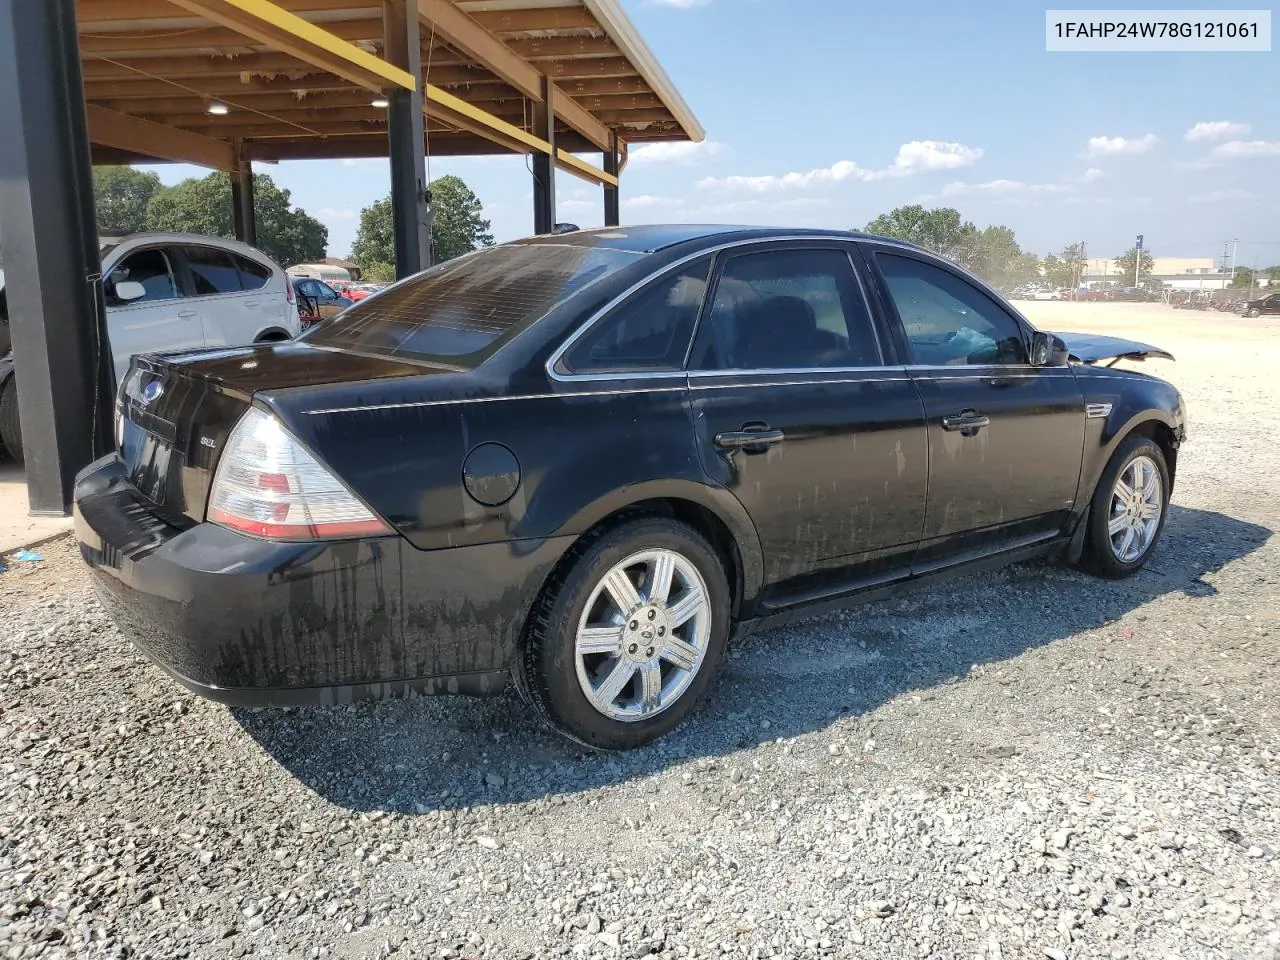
464 306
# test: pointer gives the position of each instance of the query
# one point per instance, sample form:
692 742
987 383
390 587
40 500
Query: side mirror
127 290
1048 350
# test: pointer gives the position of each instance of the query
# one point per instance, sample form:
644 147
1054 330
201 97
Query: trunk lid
175 413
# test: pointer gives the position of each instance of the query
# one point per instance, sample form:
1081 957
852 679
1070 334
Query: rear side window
212 271
253 275
650 331
787 309
463 306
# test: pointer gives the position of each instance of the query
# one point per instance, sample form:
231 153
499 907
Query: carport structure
224 83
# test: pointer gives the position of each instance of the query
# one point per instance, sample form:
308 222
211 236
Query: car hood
1090 348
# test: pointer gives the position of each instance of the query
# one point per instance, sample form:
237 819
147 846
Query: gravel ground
1026 764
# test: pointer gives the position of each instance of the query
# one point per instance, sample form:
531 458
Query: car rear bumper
259 623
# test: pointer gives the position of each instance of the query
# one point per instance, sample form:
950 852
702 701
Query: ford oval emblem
152 391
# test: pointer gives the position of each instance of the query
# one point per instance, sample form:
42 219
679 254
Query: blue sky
829 112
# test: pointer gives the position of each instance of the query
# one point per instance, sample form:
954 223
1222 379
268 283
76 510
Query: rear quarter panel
585 451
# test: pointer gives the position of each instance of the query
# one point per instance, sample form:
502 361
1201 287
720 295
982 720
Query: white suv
167 292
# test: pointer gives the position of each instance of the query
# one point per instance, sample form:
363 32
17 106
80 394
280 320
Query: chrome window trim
796 383
793 371
558 355
569 395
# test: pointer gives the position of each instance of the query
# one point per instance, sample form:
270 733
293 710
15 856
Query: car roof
114 240
652 237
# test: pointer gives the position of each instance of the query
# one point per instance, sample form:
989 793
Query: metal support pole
611 206
242 208
64 374
544 167
410 213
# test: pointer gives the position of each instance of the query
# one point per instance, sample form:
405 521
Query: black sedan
580 462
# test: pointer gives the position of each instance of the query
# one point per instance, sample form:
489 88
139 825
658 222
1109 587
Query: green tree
995 256
457 227
375 241
1067 268
940 230
287 234
120 197
1125 263
1244 277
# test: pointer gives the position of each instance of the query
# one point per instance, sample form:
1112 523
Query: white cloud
918 156
1246 148
676 153
1003 188
576 206
1216 130
1093 175
648 200
1222 196
1111 146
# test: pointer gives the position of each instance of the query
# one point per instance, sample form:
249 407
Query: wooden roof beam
184 41
539 19
113 11
123 132
272 25
467 35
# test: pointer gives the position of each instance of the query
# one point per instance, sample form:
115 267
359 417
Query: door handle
186 313
252 304
761 438
968 422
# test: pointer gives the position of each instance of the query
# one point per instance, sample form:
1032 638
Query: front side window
152 269
787 309
650 331
464 306
948 320
212 271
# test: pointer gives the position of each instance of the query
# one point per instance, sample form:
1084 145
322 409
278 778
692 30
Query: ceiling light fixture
218 109
381 103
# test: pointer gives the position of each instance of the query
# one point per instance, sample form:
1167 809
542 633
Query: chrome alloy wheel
1137 502
643 635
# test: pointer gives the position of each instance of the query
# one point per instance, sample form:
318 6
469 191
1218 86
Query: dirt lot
1027 764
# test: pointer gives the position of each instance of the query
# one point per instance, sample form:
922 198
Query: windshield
464 306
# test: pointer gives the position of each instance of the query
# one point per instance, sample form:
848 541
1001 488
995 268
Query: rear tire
1122 532
10 425
618 675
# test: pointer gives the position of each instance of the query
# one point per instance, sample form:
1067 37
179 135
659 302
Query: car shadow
413 756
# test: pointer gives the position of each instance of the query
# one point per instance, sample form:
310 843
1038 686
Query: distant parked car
1268 305
1043 294
318 300
167 292
352 291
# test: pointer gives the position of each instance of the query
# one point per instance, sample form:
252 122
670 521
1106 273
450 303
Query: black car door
797 414
1005 438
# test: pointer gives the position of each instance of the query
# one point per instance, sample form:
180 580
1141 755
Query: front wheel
625 641
1128 511
1253 312
10 425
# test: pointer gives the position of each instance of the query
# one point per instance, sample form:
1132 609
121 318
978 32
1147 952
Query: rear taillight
288 291
267 485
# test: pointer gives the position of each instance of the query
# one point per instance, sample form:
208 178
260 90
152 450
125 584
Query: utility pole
1137 261
1235 248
